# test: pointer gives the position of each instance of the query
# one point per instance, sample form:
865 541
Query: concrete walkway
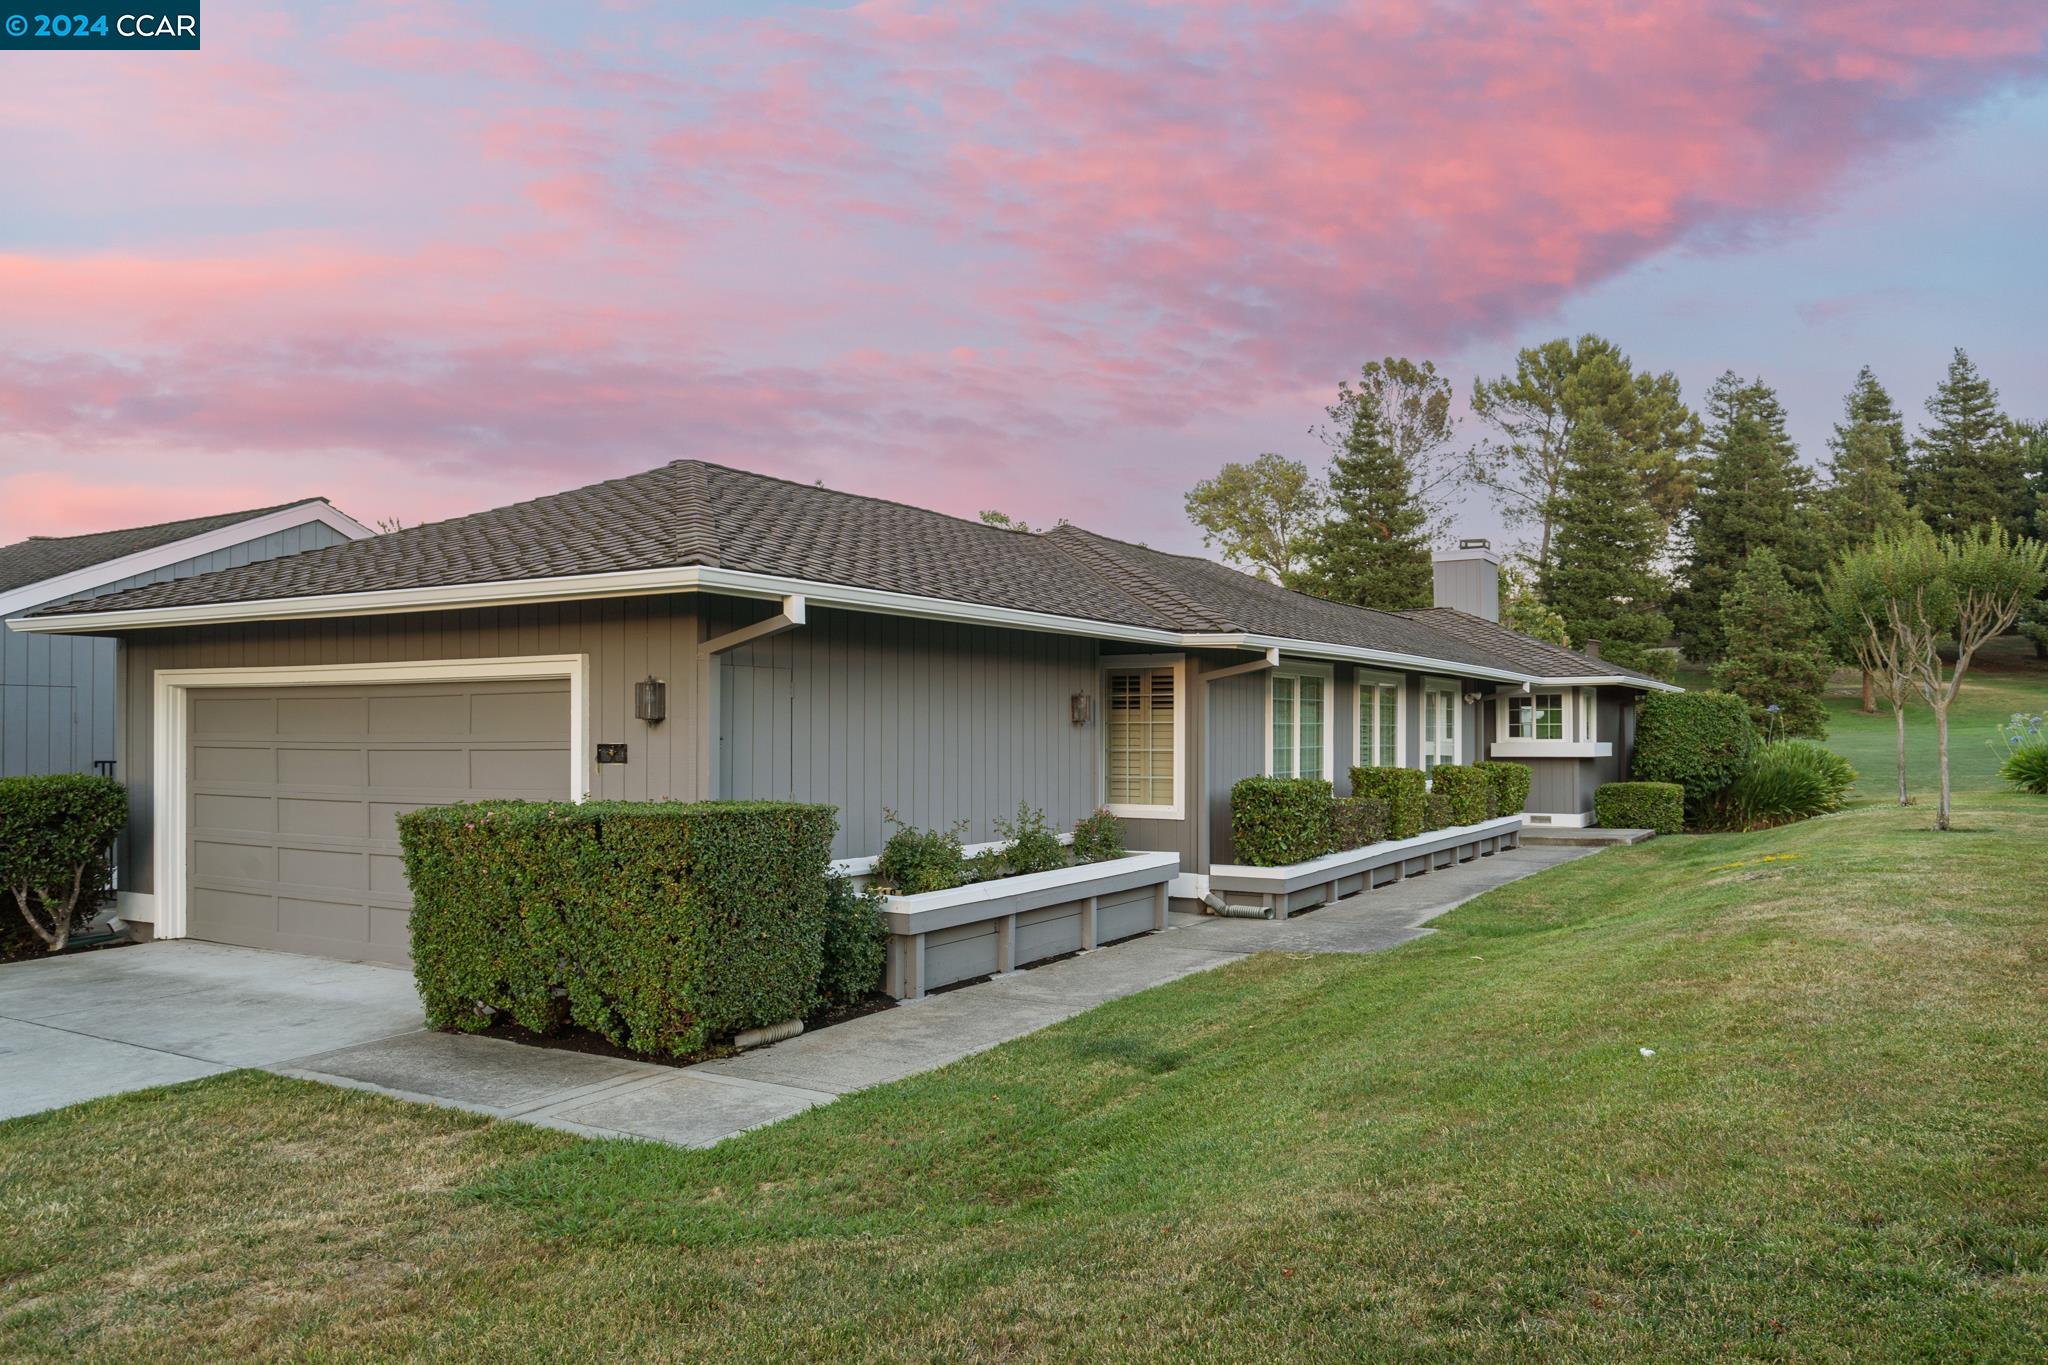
101 1023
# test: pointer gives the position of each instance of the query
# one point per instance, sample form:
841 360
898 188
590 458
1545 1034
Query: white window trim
1364 681
170 783
1579 740
1456 690
1179 664
1328 673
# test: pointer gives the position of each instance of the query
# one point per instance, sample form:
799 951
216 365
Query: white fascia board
1609 680
739 583
66 586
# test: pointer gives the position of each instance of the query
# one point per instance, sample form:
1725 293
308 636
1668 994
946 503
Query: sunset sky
1058 259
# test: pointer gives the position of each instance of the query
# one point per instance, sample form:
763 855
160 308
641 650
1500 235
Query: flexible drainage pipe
1217 905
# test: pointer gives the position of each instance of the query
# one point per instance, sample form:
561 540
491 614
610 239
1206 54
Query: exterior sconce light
1079 707
650 700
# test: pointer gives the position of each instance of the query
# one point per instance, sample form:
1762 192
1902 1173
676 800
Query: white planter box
939 937
1298 886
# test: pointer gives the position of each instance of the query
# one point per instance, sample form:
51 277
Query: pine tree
1602 577
1966 466
1373 551
1862 497
1870 403
1777 656
1753 495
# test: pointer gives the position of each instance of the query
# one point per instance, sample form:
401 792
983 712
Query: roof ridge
221 518
1091 549
814 487
696 540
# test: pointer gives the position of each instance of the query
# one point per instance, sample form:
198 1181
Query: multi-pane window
1140 738
1298 716
1439 727
1538 717
1379 725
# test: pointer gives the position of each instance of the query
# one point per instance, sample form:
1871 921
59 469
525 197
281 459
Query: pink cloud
952 247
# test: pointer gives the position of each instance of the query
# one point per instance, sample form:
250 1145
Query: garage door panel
218 717
511 715
517 770
323 717
422 716
331 819
217 861
387 875
219 811
294 837
323 867
221 763
321 767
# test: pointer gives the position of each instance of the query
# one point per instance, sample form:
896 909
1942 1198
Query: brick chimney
1592 649
1468 578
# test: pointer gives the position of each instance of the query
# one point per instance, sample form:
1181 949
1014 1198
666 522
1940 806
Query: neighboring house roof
44 569
730 526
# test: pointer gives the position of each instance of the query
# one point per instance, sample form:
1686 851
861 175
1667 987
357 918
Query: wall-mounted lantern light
650 700
1079 707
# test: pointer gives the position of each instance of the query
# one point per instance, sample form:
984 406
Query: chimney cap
1469 548
1475 543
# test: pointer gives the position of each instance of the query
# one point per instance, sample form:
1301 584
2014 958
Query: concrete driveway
79 1027
89 1024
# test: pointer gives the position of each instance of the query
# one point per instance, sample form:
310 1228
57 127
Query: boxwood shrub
1508 784
661 926
1357 821
56 831
1700 740
1641 805
1403 791
1465 790
917 860
1279 820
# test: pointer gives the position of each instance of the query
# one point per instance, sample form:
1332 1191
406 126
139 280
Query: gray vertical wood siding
59 693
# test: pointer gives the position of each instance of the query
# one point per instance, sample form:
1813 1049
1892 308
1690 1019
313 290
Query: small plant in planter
1098 837
918 860
1031 845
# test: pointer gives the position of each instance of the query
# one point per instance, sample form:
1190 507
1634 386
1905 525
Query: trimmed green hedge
1437 812
1465 790
1279 820
1700 740
1640 805
1509 785
55 833
660 925
1356 822
1403 791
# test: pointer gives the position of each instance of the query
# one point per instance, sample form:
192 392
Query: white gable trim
78 581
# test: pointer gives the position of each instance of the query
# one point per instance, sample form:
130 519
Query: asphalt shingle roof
694 513
44 557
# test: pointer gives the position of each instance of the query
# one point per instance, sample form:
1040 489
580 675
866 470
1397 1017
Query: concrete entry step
1588 836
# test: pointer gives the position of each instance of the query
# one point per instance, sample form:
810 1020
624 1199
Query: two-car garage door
295 793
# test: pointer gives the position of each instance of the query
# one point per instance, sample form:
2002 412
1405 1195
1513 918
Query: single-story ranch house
698 631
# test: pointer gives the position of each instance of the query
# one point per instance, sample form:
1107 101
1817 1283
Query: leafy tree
1602 577
1259 514
1522 609
1859 591
1967 589
1966 469
1753 495
1534 412
1374 548
1777 658
2031 440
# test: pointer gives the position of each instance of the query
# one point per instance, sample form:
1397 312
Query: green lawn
1456 1149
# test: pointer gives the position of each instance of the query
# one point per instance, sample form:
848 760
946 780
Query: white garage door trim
173 712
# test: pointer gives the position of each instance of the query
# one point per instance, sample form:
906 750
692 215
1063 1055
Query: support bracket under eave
790 617
1271 660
